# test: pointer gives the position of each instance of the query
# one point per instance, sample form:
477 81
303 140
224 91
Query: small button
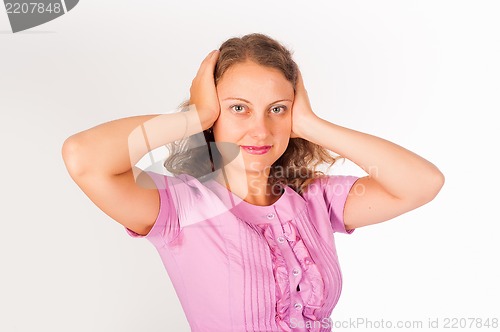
270 216
281 239
298 306
296 272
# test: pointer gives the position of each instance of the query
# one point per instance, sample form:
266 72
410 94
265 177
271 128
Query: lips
256 149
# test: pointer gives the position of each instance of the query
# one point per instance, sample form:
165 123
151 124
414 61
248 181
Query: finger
205 62
209 58
212 61
301 89
300 82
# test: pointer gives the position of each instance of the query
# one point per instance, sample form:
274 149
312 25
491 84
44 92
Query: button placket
280 236
288 231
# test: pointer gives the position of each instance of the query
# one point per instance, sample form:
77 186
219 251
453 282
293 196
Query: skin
398 180
255 110
101 159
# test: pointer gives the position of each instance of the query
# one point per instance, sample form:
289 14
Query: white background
423 74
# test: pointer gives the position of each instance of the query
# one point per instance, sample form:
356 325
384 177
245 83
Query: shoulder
177 190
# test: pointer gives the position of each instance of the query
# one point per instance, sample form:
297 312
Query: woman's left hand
301 109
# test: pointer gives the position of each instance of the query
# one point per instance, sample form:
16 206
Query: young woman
245 227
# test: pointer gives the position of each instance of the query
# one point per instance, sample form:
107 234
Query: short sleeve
336 191
166 225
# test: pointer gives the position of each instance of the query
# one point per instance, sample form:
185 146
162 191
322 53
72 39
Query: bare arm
114 147
101 160
398 180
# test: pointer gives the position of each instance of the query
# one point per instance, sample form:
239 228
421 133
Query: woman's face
256 105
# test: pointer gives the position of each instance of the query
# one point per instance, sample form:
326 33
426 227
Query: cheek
285 126
224 130
286 132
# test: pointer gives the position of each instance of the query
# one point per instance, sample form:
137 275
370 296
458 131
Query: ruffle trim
311 282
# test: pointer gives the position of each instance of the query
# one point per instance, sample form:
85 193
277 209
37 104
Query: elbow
438 182
70 152
433 185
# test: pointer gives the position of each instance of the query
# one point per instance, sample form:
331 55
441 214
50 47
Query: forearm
400 172
114 147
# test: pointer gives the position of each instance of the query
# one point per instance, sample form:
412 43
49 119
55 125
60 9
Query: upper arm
133 204
369 203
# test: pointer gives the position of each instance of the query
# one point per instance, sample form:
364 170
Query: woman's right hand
203 93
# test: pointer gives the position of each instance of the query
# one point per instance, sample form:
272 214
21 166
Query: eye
238 108
278 108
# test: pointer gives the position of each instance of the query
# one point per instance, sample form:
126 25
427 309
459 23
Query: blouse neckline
286 207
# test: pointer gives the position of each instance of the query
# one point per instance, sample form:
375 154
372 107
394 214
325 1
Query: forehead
254 79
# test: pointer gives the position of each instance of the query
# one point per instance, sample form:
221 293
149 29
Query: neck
252 187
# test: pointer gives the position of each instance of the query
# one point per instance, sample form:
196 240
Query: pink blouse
242 267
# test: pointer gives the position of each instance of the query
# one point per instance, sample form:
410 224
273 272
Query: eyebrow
246 101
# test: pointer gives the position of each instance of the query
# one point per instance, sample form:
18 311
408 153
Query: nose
259 127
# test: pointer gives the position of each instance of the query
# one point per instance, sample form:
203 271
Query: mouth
256 149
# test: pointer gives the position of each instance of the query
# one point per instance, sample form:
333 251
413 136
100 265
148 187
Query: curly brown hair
296 167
